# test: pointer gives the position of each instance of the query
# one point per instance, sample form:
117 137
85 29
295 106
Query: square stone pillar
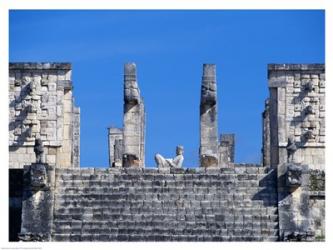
266 140
134 120
38 202
115 147
208 118
76 137
294 203
226 149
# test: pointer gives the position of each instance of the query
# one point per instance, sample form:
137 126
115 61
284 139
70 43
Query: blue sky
169 48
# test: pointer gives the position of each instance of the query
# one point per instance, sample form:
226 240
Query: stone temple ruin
52 199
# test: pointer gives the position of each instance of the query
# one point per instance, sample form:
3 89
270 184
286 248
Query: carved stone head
309 110
294 176
26 79
309 87
38 176
309 135
179 150
208 87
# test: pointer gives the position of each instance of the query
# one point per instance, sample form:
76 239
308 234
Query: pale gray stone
134 120
176 162
208 118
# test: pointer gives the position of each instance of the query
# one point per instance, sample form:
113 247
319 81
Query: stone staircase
230 204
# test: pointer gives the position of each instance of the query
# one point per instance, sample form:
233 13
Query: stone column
266 136
134 120
115 147
37 205
76 137
208 118
226 149
293 203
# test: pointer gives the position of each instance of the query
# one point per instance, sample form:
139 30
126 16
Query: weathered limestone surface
297 138
134 120
301 195
53 200
38 202
181 205
226 149
115 147
297 109
317 203
176 162
41 105
76 137
266 138
208 118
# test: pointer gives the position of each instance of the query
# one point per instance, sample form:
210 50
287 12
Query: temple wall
41 105
297 147
297 110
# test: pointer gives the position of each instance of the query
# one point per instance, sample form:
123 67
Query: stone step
164 231
238 168
142 237
211 173
158 218
152 179
127 223
167 183
165 210
179 204
237 193
246 215
190 227
186 205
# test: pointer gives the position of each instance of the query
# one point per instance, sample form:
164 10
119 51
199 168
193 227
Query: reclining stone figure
171 163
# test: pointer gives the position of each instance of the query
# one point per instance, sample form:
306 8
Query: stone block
51 159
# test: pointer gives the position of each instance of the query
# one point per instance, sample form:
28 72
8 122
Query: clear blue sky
169 48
